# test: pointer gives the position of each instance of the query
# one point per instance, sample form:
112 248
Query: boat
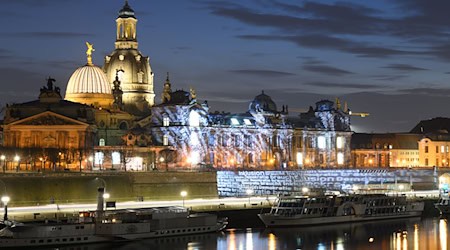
110 225
291 210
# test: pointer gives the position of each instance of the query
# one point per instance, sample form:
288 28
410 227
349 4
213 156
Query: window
165 140
234 121
115 157
321 143
340 158
98 158
247 122
426 149
101 142
166 121
339 142
299 158
437 149
442 149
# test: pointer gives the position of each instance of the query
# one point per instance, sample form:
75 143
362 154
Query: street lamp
102 180
183 195
17 159
5 200
59 160
305 190
3 157
249 193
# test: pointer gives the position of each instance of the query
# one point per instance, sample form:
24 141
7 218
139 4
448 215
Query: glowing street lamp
183 195
91 159
17 159
5 199
305 190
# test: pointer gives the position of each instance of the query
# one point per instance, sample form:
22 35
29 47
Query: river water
428 233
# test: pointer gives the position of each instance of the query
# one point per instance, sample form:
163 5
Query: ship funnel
100 202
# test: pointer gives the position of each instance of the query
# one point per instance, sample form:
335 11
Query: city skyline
387 58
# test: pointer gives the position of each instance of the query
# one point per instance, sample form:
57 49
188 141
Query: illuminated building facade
132 68
189 136
385 150
48 133
434 150
110 121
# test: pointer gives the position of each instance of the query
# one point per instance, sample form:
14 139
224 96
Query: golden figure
193 94
90 48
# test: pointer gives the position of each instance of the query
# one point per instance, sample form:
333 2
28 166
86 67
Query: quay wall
32 189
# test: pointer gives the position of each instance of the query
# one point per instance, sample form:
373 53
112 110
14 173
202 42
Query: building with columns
109 120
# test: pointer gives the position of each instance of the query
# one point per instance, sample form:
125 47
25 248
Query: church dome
263 102
89 85
88 79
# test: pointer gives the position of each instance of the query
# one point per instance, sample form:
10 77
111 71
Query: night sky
388 58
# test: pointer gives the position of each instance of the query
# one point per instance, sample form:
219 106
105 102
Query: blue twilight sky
387 57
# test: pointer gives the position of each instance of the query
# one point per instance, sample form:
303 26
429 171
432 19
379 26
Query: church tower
135 73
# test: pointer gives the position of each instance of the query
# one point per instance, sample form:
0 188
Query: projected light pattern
261 138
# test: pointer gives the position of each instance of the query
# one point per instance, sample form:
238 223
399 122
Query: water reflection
427 233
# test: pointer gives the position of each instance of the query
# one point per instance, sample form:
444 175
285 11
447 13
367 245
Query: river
416 233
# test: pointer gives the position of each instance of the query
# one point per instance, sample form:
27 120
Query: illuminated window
140 76
115 157
101 142
299 158
194 119
340 158
321 143
247 122
234 121
166 121
442 149
165 140
339 142
98 158
426 161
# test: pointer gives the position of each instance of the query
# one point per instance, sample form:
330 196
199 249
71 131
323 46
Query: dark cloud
262 73
427 91
46 34
328 70
388 77
342 85
403 67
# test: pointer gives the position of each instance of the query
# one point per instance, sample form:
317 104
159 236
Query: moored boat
326 209
111 225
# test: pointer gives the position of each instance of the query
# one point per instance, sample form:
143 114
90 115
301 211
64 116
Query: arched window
123 125
166 121
101 142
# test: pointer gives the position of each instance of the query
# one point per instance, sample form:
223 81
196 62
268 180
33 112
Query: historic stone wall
32 189
231 183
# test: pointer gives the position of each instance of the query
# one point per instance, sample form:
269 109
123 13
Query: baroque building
109 120
130 66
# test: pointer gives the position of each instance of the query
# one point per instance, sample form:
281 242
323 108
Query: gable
48 118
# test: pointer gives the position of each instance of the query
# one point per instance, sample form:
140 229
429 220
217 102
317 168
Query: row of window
443 149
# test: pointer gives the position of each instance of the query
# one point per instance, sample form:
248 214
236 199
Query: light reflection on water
425 233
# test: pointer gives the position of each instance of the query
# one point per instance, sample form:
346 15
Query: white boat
327 209
113 225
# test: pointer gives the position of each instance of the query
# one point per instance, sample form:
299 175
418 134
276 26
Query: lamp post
17 159
183 195
59 160
3 157
5 199
102 180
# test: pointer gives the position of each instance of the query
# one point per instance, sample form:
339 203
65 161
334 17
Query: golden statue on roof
90 48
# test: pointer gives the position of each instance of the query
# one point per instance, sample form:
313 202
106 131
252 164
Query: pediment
48 118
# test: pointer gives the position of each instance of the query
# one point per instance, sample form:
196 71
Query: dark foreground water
418 233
